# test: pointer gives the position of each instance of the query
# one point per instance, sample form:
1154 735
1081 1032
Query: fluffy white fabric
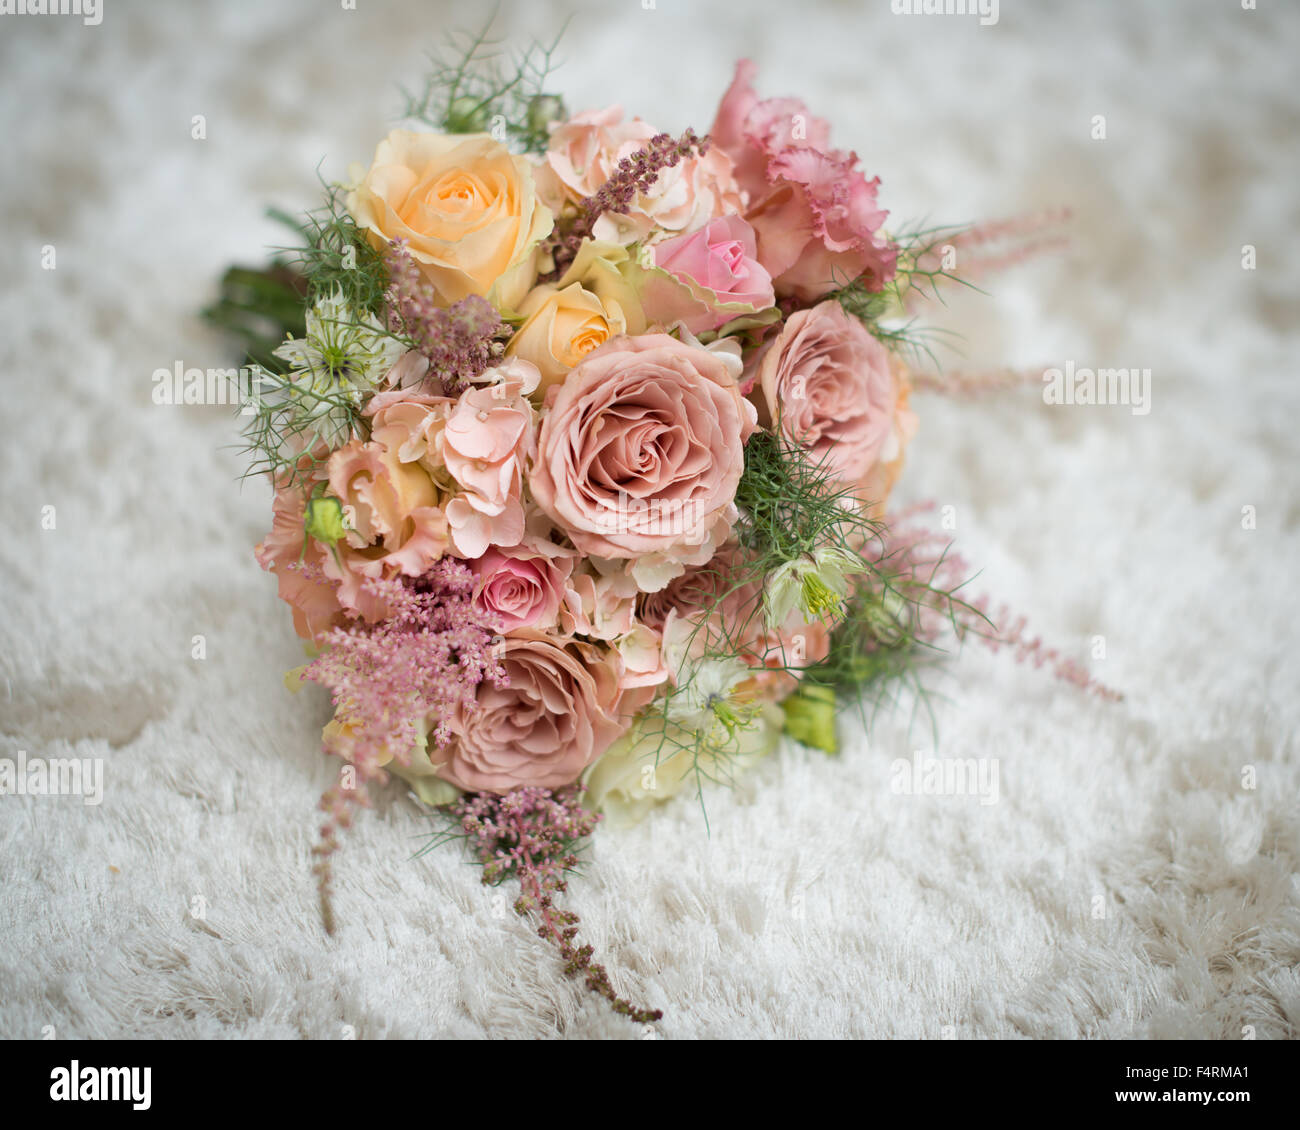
819 902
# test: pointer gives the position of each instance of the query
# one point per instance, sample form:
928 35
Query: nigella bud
810 716
543 109
324 519
888 621
467 115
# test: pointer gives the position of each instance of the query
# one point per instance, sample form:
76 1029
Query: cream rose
562 326
652 762
466 208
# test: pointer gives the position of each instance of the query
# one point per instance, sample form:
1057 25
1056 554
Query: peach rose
828 385
466 207
562 325
640 453
562 709
593 301
585 152
393 518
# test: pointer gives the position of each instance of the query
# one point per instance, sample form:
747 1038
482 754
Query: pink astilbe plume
970 383
634 175
933 576
391 680
459 341
531 834
987 248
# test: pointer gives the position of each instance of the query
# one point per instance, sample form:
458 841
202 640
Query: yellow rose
565 321
466 207
562 327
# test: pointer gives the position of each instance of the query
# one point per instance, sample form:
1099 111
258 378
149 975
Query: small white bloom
342 348
342 357
702 686
815 585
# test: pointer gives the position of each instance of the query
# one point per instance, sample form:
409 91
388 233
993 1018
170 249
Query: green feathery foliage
792 507
920 270
472 86
287 417
334 255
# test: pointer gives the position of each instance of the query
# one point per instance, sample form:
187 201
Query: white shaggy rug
1125 884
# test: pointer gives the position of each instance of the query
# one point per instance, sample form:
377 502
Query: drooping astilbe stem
532 835
1011 633
985 249
397 683
460 340
920 552
965 384
634 175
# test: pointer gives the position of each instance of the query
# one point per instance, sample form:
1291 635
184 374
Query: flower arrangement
582 438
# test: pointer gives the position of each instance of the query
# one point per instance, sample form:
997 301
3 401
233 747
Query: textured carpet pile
1126 884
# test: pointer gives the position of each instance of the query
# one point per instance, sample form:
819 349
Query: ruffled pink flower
812 209
752 130
562 708
585 151
487 444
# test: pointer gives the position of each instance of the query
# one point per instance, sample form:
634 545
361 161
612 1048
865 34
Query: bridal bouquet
582 437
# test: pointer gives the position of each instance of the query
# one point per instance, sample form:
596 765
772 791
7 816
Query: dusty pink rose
711 595
812 209
640 454
584 153
521 587
715 277
562 709
878 483
828 385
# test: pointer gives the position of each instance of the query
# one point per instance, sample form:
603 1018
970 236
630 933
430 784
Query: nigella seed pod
543 109
467 115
